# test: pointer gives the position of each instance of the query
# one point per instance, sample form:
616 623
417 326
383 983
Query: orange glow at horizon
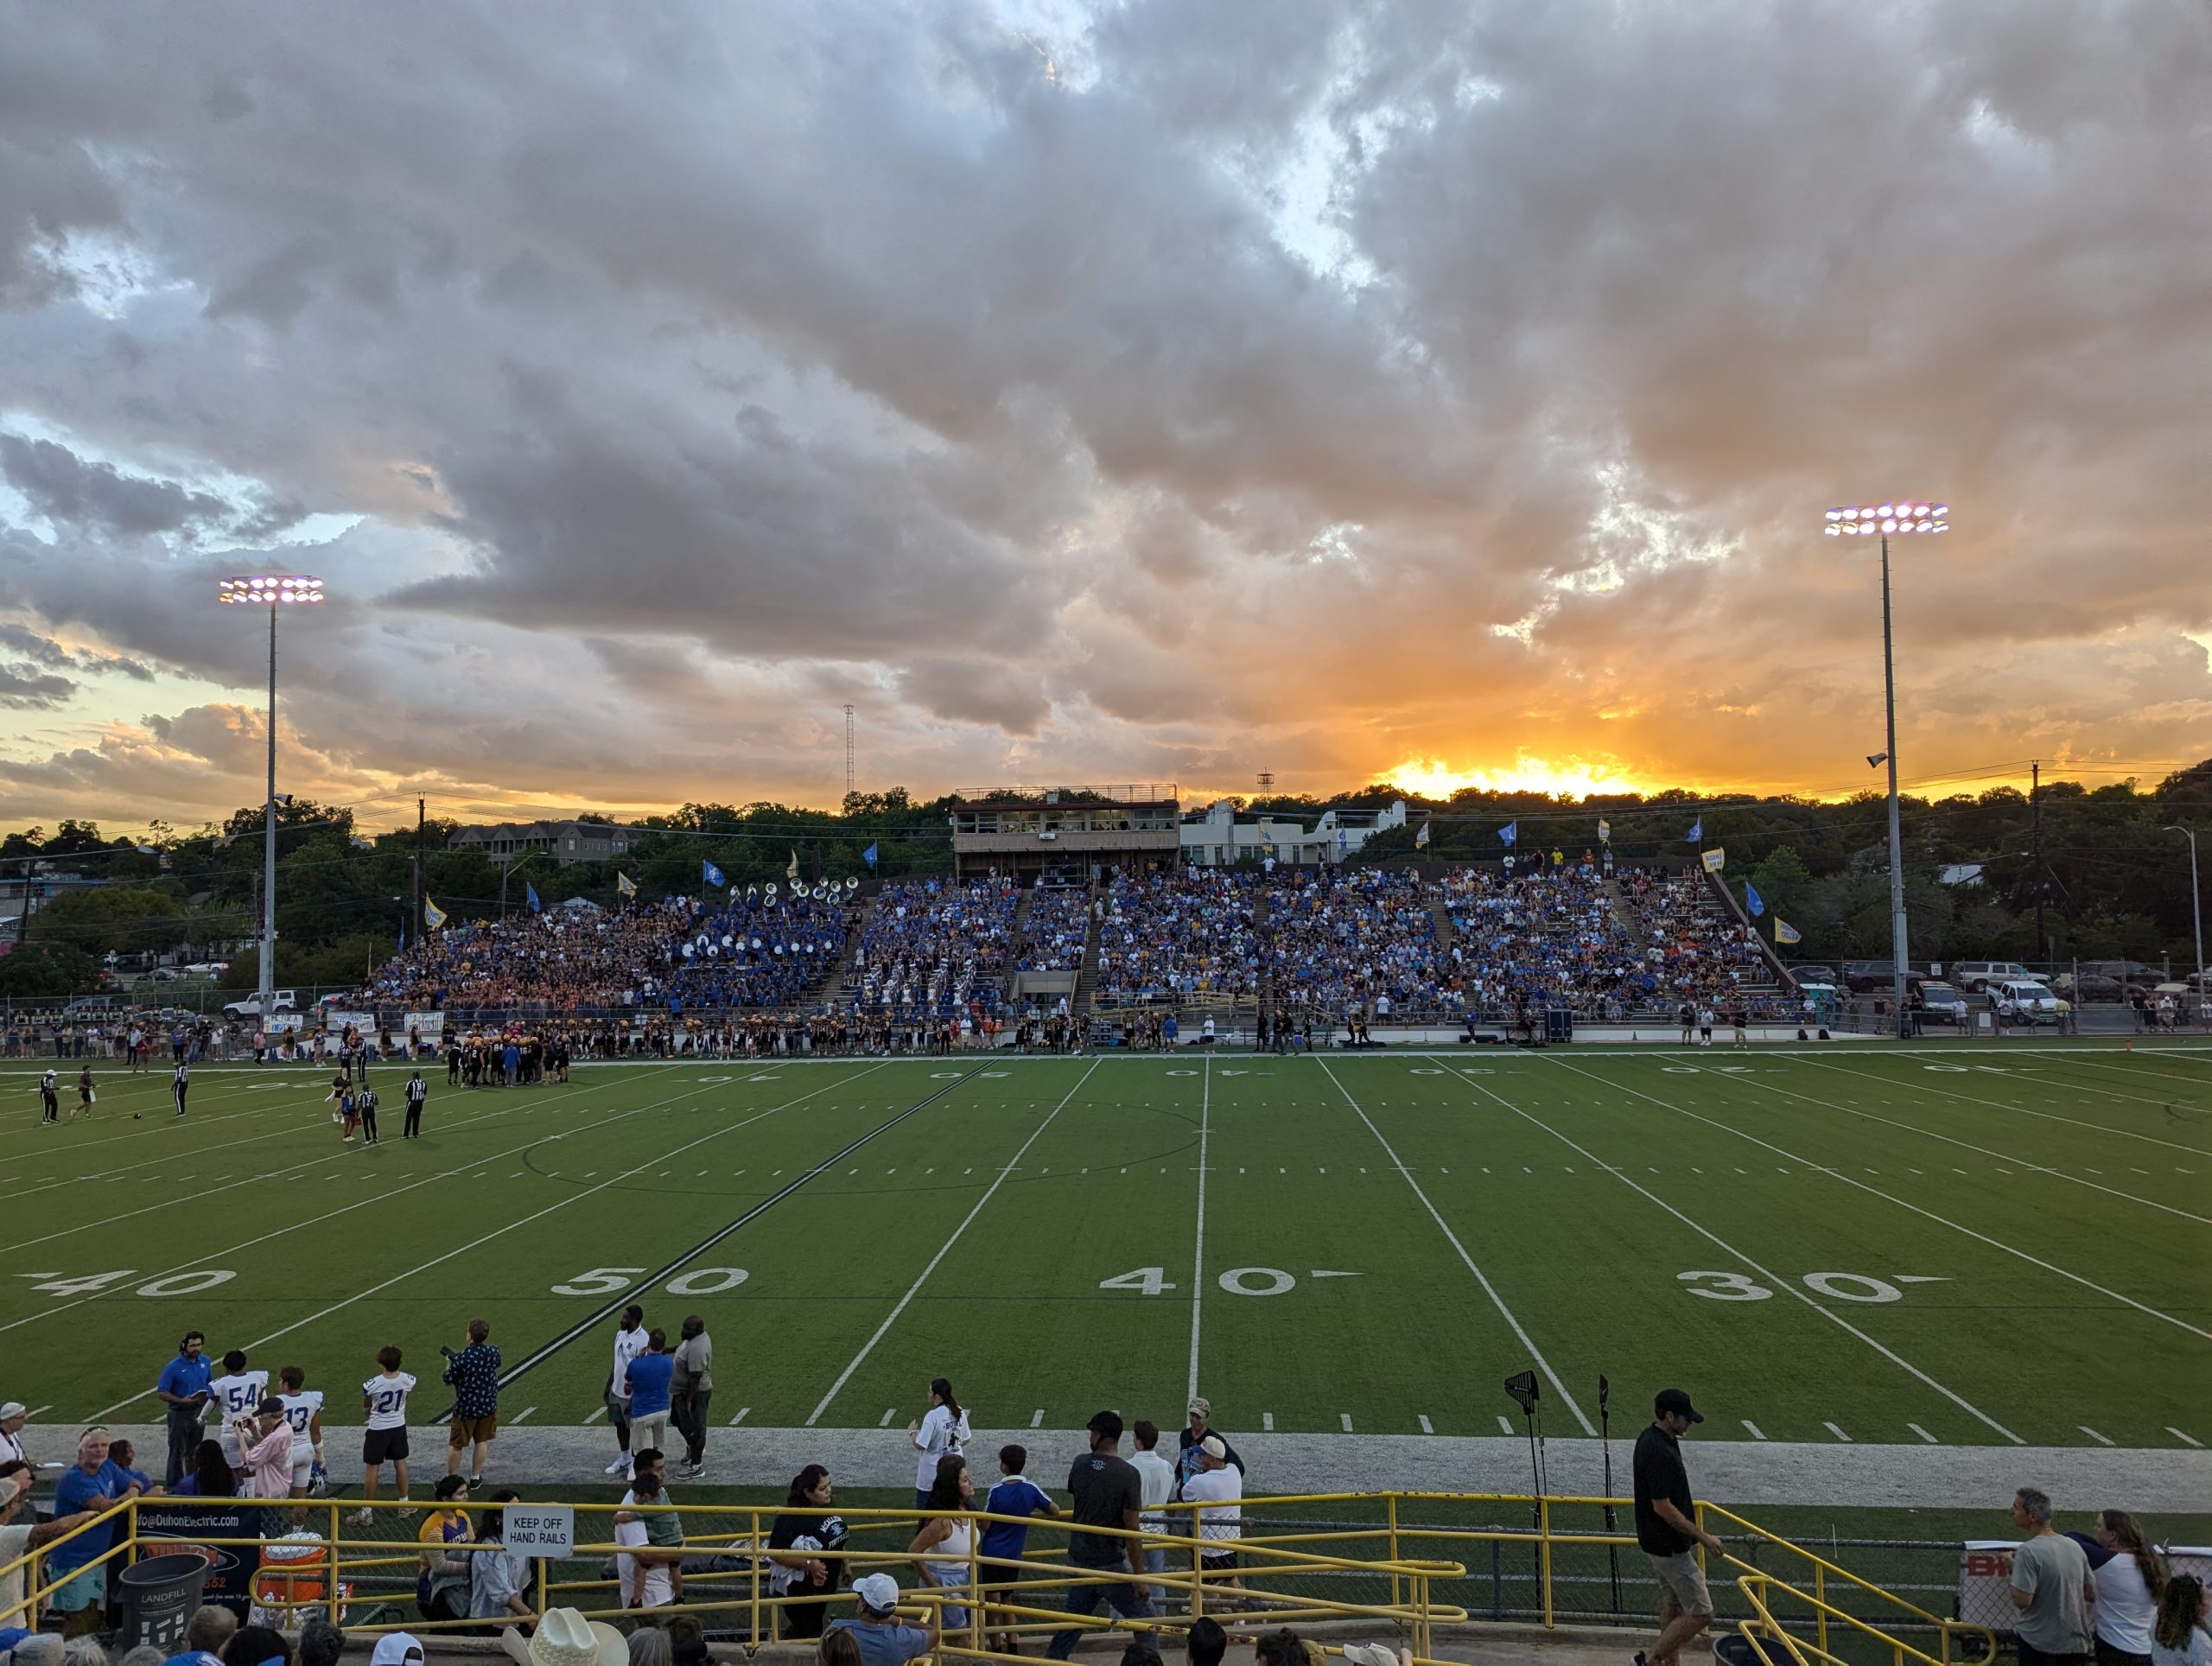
1573 778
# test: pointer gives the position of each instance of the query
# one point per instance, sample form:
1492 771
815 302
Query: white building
1217 839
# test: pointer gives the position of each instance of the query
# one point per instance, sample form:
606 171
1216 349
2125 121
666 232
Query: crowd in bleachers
935 947
1053 931
563 960
768 952
1365 940
1189 932
1695 953
1545 936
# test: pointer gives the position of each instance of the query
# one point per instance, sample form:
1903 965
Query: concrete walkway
1727 1472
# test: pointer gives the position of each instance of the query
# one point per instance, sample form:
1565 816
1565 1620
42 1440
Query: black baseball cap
1675 1400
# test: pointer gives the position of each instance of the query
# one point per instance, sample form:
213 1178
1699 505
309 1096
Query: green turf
2057 1202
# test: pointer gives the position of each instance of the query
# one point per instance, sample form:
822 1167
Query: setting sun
1575 778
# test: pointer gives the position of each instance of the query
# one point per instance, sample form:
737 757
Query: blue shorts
88 1590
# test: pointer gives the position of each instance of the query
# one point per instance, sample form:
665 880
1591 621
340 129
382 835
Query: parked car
1976 975
2089 986
89 1006
1864 976
1938 1003
1813 974
2023 1000
282 1001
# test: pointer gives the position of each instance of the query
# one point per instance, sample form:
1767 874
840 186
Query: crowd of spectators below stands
1364 941
935 947
1188 932
1052 933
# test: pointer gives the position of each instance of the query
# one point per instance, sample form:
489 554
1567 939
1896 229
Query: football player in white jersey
303 1411
231 1396
383 1398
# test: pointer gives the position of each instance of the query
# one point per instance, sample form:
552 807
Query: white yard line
990 1191
298 1167
1967 1145
501 1231
1489 1289
1199 1256
2023 1111
1877 1191
1774 1279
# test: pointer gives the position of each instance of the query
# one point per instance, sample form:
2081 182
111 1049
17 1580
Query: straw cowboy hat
565 1637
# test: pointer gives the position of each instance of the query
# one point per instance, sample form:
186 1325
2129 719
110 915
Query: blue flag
403 936
530 895
1506 834
713 874
869 856
1752 899
1696 832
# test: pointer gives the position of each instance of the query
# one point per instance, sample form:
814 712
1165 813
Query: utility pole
2035 805
849 751
417 911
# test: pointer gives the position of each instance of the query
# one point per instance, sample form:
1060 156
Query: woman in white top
942 1432
951 1537
2128 1582
2179 1637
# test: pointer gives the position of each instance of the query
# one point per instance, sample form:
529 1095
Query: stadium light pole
274 591
1887 520
2196 915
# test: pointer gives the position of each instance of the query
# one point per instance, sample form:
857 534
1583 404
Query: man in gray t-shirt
691 1390
2050 1579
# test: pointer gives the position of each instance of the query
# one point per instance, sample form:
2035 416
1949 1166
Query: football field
1961 1245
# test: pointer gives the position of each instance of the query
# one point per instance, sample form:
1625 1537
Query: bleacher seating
934 948
1176 935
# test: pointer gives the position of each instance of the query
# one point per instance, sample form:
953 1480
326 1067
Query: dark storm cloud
1339 384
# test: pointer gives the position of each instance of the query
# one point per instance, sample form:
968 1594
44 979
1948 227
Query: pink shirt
267 1459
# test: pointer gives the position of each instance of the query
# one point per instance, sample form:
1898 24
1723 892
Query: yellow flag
1715 860
791 872
625 884
433 916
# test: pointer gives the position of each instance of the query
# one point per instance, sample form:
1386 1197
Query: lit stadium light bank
1865 520
272 591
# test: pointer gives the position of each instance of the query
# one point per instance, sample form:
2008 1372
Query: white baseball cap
13 1409
1214 1446
878 1592
396 1649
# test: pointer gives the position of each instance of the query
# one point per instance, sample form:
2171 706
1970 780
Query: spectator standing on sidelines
2051 1587
629 1343
653 1377
383 1398
2179 1637
2127 1579
1156 1477
1107 1494
805 1526
693 1390
89 1484
1667 1528
1218 1489
1201 1425
651 1567
417 1092
264 1440
941 1432
1003 1542
182 1389
474 1374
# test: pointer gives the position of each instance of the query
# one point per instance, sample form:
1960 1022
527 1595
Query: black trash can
157 1597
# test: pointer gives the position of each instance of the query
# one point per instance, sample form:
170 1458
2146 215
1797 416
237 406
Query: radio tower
848 752
1266 780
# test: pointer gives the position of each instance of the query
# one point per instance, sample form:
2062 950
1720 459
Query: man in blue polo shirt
182 1387
91 1485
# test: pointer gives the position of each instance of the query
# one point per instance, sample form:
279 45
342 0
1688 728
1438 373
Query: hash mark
2100 1439
1425 1426
1836 1432
1754 1428
1923 1435
884 1422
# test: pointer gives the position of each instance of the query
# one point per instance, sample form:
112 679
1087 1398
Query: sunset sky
1447 392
